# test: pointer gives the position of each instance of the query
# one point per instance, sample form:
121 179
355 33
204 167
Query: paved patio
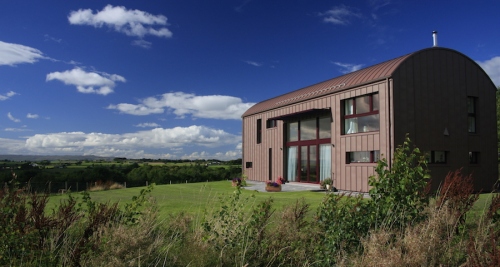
293 187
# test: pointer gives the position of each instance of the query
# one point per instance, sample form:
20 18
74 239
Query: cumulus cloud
492 68
182 104
87 82
12 54
7 96
348 68
340 15
135 22
12 118
148 125
158 138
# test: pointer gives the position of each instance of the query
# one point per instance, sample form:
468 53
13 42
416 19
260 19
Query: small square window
473 157
248 164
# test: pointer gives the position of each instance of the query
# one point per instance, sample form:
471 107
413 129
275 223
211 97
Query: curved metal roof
370 74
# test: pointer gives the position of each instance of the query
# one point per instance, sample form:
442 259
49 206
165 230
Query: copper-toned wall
429 95
351 177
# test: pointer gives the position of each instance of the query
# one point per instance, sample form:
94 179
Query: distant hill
51 158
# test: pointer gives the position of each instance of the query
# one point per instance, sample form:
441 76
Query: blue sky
170 79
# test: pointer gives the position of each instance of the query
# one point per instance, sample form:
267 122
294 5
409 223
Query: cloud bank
182 104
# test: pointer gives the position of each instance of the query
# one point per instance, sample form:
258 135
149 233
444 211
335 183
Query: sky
170 79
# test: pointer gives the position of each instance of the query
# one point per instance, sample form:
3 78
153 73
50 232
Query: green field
196 197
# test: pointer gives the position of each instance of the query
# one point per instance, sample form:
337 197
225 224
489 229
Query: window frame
271 123
472 114
374 109
248 165
473 157
259 131
374 157
431 157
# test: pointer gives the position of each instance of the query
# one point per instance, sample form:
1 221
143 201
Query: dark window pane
293 131
324 128
375 102
362 104
308 129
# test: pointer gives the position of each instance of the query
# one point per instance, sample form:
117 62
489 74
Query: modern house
339 128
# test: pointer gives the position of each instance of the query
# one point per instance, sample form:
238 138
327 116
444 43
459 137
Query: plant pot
328 187
273 188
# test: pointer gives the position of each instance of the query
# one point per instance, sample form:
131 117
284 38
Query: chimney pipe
435 38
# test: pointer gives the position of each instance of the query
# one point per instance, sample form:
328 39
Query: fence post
50 187
77 186
66 185
125 184
146 183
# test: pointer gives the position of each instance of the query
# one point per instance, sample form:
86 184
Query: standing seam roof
370 74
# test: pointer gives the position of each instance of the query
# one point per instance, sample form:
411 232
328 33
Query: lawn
195 198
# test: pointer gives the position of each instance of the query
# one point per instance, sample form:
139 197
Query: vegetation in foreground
398 226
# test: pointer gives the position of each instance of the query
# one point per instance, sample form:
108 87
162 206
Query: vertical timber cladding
354 176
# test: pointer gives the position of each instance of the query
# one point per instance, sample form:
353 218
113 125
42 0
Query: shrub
399 194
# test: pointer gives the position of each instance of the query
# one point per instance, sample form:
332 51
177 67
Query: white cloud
348 68
340 15
86 81
147 125
492 68
253 63
12 54
138 110
182 104
130 22
7 96
32 116
100 143
142 43
17 129
12 118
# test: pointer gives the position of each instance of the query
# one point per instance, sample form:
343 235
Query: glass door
308 164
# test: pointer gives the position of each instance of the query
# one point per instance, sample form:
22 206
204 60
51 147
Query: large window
309 129
309 149
361 114
363 157
471 114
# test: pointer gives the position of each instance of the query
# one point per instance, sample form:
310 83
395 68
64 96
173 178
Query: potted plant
236 181
273 187
326 184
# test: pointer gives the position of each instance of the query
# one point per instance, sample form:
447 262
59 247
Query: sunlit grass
194 198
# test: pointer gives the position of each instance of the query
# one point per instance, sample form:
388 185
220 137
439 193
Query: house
339 128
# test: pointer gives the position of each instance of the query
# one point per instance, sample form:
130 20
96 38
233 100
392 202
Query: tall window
309 149
361 114
471 114
259 131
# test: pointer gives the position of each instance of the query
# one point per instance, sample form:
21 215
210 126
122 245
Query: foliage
399 194
457 192
342 221
327 181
